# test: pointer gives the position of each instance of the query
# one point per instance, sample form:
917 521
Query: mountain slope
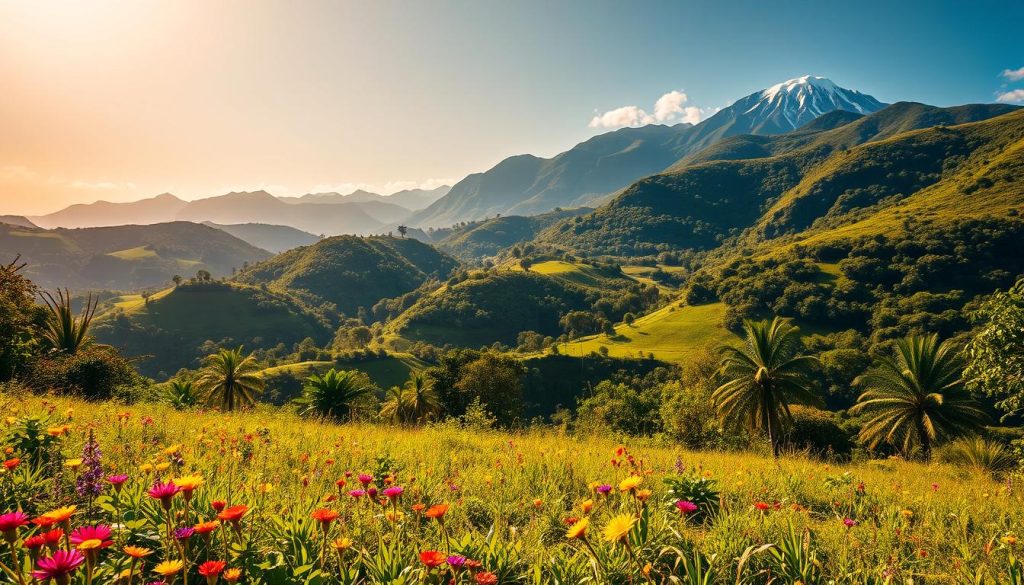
262 207
699 205
351 272
18 220
527 185
479 240
272 238
125 257
411 199
159 209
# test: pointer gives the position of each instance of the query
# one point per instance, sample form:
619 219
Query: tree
64 332
419 400
176 279
17 319
332 394
629 319
525 264
917 397
203 276
764 376
230 380
497 381
393 409
996 353
402 230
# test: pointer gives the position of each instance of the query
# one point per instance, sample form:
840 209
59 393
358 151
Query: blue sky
118 100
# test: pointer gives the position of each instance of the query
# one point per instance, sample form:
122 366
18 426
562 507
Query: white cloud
670 108
1011 97
1013 74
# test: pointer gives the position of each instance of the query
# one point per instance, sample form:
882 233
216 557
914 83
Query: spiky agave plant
64 331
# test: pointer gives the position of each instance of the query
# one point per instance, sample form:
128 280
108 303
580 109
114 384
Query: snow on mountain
793 103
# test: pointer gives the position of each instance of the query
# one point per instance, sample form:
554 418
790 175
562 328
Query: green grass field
385 372
672 334
137 253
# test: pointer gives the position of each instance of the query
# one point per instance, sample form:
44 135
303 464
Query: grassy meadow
522 507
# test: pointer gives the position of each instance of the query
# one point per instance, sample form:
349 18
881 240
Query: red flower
432 558
437 511
12 463
324 516
486 578
762 506
212 568
233 514
218 505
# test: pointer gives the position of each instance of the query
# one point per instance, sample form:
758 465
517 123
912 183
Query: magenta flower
686 507
357 493
604 489
184 533
456 561
99 532
365 479
372 492
849 522
164 492
393 492
117 481
10 523
59 566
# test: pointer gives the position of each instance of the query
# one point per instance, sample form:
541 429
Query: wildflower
418 507
342 544
10 523
90 482
211 569
34 542
232 575
394 515
437 511
630 483
618 528
188 484
643 495
357 493
485 578
164 492
59 515
849 522
432 558
137 552
1009 539
84 534
205 528
53 537
456 561
372 492
341 485
117 481
218 505
233 515
184 533
12 463
324 516
578 530
907 514
587 506
762 506
538 503
393 492
922 553
603 489
168 568
686 507
58 567
73 464
365 479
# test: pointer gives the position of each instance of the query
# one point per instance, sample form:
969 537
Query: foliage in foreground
267 497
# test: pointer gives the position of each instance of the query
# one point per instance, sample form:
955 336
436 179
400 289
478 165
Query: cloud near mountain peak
670 108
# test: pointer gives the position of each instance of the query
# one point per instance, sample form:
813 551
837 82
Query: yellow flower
172 449
61 514
393 516
587 506
1009 539
265 488
630 483
146 468
168 568
642 495
162 466
618 528
188 483
342 544
907 513
232 575
73 463
579 529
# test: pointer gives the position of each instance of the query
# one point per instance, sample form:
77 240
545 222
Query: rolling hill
350 271
272 238
17 220
528 185
168 332
478 240
125 257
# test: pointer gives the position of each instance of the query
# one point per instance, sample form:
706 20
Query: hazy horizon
120 101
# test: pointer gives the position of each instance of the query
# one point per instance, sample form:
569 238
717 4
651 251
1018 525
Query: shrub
819 431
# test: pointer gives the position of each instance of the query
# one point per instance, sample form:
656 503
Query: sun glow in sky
120 100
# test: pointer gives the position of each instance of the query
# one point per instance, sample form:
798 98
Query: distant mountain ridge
272 238
604 164
411 199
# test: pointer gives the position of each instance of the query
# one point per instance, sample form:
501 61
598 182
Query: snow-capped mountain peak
788 105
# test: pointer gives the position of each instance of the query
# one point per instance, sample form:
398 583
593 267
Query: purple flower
372 492
184 533
456 561
89 482
604 488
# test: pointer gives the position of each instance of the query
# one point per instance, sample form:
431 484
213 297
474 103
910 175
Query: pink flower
393 492
686 507
61 564
117 481
164 492
365 479
849 522
10 523
99 532
357 493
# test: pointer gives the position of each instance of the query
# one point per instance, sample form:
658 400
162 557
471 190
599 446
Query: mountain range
604 164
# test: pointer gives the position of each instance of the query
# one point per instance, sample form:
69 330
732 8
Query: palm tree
229 379
917 397
420 400
332 394
764 376
393 409
64 332
181 394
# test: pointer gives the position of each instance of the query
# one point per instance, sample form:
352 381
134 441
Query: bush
95 373
980 454
819 431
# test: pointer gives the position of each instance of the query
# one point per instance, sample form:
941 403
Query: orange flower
204 528
60 514
437 511
538 503
485 578
137 552
233 514
324 516
232 575
432 558
418 507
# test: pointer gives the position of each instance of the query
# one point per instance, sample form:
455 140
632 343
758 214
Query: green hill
125 257
478 240
351 271
723 192
168 332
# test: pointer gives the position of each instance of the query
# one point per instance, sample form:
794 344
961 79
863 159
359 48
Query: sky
120 100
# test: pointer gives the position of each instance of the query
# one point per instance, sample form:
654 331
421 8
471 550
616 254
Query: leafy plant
230 380
64 332
332 394
701 491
